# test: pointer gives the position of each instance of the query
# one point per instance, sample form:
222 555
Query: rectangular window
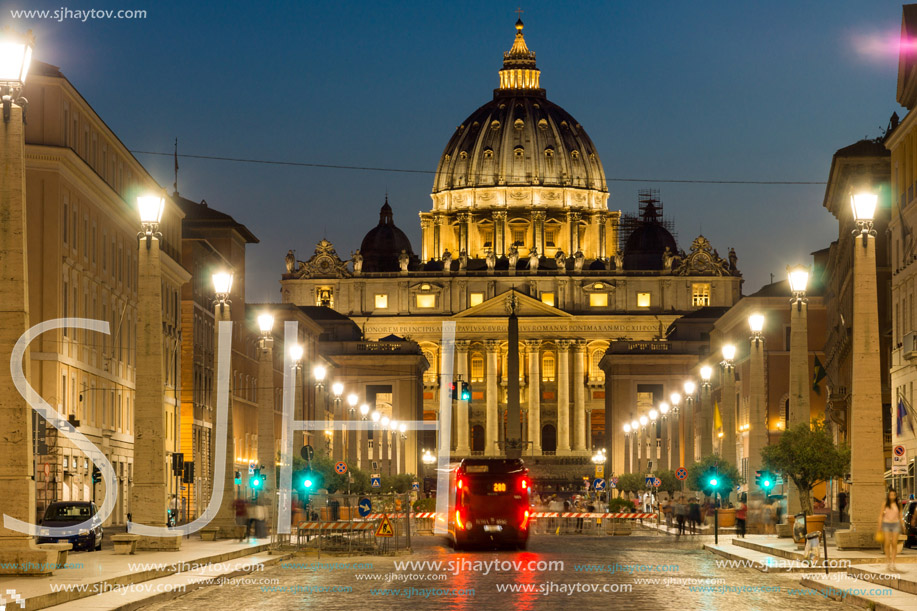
700 294
548 367
548 298
643 300
550 237
64 228
475 299
487 235
426 301
519 237
598 300
381 301
477 368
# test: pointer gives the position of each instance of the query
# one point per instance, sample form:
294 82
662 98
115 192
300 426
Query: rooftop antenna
175 184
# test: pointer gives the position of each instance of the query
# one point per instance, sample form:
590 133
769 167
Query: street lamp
352 400
664 410
643 422
756 324
337 389
799 280
627 430
364 410
864 206
675 399
222 285
319 372
689 387
15 59
729 353
150 208
296 352
375 417
706 372
428 458
266 327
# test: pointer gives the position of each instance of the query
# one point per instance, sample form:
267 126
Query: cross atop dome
519 70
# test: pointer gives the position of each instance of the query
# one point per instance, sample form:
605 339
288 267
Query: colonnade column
464 219
499 240
437 239
538 217
491 415
600 219
563 395
573 219
462 447
534 419
728 415
579 396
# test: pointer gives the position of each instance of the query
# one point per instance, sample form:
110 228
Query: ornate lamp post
337 393
267 452
393 447
352 400
361 434
706 412
150 490
799 411
867 467
689 419
226 517
627 461
678 440
383 443
757 416
728 405
643 449
634 441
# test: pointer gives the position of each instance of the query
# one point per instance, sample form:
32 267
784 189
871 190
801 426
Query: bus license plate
492 528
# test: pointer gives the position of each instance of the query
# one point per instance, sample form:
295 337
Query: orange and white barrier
336 526
536 514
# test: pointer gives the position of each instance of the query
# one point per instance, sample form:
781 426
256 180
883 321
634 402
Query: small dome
647 243
382 246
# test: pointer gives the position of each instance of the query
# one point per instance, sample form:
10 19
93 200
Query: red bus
489 503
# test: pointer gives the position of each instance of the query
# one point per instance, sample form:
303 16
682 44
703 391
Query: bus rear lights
458 518
525 520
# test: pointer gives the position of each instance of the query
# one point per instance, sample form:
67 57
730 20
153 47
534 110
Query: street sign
307 452
415 486
340 467
600 470
681 473
375 480
365 507
613 484
899 460
614 481
657 482
385 528
650 480
251 468
598 484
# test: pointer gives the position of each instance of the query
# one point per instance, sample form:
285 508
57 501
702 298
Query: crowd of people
252 515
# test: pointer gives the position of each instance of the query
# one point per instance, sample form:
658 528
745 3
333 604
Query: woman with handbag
890 526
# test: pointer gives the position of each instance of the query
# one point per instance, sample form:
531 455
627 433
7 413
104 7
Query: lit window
550 237
426 301
548 367
643 300
595 372
477 368
324 296
547 298
475 299
519 237
700 294
381 301
487 236
598 300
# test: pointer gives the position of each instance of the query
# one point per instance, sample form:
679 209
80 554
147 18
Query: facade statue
578 259
560 259
357 259
513 256
463 260
619 262
290 261
404 260
491 259
534 260
447 261
733 260
667 258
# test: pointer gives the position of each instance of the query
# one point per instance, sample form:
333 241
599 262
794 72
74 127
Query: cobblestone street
637 572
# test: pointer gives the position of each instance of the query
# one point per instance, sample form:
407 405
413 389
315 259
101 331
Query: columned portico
492 421
579 396
563 395
462 446
534 404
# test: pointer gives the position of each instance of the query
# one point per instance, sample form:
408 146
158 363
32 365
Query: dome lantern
519 70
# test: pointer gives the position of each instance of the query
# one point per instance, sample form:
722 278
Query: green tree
670 483
727 475
631 482
807 455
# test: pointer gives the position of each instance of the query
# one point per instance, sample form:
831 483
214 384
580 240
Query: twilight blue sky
685 90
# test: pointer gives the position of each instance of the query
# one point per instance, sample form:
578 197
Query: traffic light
310 481
765 480
713 480
238 479
256 481
96 475
466 391
454 390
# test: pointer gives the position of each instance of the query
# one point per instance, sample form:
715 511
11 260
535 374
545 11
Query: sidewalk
855 577
94 573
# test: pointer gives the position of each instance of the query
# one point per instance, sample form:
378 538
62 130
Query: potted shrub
807 455
620 526
727 478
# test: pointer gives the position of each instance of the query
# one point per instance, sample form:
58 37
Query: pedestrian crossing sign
375 480
385 527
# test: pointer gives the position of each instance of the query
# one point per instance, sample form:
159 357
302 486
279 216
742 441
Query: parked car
910 522
69 513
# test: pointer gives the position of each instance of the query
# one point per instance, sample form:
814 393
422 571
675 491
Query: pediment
498 307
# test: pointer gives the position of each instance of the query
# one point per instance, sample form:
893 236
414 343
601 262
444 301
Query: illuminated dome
520 139
383 244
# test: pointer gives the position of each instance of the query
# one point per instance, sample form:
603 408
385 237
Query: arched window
548 367
595 372
477 368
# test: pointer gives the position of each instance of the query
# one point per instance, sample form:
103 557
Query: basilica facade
520 210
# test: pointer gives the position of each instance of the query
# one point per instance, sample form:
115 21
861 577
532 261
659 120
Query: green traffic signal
714 482
767 483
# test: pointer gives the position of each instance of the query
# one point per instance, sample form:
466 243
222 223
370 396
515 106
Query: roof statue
324 263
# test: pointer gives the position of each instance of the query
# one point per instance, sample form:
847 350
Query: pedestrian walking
890 526
695 515
667 511
741 516
681 515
